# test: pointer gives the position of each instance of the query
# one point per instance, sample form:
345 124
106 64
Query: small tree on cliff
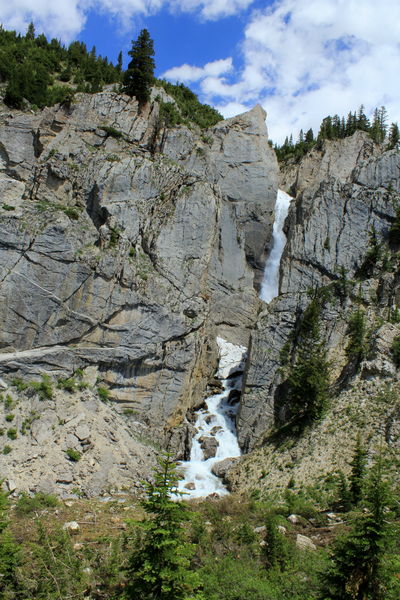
139 75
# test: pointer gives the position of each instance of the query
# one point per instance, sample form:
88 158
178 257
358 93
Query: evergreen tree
276 551
119 62
356 348
394 137
358 469
362 120
309 136
160 566
344 492
139 75
308 380
30 33
356 571
379 125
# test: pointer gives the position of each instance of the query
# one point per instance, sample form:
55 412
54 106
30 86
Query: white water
270 283
216 421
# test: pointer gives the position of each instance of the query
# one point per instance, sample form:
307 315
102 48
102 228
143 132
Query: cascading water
270 283
215 437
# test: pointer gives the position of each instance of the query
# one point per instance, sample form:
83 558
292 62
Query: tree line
336 127
42 73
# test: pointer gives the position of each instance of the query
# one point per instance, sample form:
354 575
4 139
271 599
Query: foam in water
216 421
270 283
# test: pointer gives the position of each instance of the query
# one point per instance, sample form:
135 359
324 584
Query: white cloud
305 59
188 73
212 9
64 19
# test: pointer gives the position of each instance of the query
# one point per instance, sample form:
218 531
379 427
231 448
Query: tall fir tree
160 565
358 470
139 75
308 380
394 137
355 571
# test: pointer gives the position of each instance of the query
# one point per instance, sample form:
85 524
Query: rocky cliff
341 241
126 248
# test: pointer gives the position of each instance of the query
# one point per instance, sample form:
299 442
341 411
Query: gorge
128 248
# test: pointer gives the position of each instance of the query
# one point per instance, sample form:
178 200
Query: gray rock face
330 158
329 237
128 249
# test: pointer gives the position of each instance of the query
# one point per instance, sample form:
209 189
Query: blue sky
300 59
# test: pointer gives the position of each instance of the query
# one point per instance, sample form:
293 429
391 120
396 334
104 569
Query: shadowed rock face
130 248
328 238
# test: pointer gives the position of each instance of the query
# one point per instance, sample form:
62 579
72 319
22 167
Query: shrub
27 505
73 455
7 449
44 388
395 350
103 393
12 434
69 384
111 131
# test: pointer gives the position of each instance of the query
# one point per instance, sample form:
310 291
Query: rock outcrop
329 231
338 241
127 248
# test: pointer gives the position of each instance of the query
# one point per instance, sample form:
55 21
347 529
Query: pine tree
308 380
358 469
160 566
394 137
309 136
356 572
119 62
139 75
30 33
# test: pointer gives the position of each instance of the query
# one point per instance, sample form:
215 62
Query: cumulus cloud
305 59
188 73
64 19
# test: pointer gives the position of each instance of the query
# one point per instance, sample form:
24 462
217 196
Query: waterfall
215 438
270 283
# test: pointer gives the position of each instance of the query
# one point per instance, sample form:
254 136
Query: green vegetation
103 393
44 388
74 383
73 455
160 566
41 73
336 127
9 552
44 73
228 549
357 347
28 505
12 433
190 108
139 75
356 570
358 471
395 349
305 392
111 131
